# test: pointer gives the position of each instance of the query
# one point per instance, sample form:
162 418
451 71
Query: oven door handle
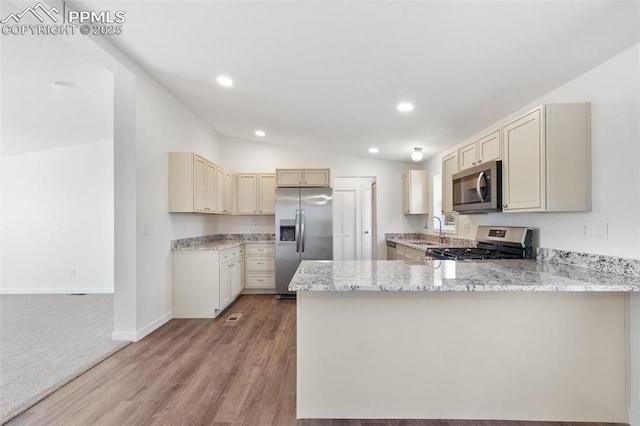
478 190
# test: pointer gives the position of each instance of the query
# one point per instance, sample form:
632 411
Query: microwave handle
478 190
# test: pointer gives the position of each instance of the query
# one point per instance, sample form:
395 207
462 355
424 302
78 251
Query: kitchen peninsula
505 339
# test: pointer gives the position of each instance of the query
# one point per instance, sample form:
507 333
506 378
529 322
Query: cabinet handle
479 161
260 280
504 206
260 263
260 249
473 164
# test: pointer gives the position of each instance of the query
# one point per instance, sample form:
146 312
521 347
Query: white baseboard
129 336
151 327
56 290
634 417
123 336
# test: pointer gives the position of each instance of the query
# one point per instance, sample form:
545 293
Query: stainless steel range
493 242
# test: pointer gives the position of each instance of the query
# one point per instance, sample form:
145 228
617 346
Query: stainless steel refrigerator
304 231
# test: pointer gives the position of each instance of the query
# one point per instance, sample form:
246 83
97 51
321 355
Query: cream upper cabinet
303 177
546 156
467 156
486 148
228 192
449 168
415 192
489 147
316 177
267 193
255 193
192 184
247 187
200 184
219 192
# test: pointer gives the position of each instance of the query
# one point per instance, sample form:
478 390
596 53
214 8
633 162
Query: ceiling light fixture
224 81
405 106
417 155
261 133
374 150
61 85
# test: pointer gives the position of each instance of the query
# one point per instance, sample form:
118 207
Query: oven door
478 190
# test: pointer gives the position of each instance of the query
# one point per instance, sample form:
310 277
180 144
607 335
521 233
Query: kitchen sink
422 243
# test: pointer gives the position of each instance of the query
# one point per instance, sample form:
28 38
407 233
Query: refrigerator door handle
302 228
297 231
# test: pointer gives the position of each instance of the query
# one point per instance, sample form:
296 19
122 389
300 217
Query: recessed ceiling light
61 85
224 81
417 155
261 133
374 150
405 106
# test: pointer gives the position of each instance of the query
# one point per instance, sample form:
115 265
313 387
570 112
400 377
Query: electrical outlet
73 273
586 231
465 228
602 230
255 225
145 229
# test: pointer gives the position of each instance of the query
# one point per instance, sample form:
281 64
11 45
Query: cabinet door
467 156
406 193
210 199
246 195
200 184
219 192
228 192
449 168
267 194
240 276
316 177
523 172
288 177
489 147
226 282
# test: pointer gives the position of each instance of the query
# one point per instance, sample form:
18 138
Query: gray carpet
47 341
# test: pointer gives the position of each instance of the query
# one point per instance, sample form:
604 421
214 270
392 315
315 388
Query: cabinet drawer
231 253
260 248
260 281
260 264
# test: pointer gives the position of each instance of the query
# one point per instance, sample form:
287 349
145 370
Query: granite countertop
221 245
451 275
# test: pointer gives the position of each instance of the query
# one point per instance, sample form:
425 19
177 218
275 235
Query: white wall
255 157
613 88
163 124
57 215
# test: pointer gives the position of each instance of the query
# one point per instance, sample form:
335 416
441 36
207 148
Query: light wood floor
203 372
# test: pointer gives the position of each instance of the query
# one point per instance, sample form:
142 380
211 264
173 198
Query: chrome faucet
440 234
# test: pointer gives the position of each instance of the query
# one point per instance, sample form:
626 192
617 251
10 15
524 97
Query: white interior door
353 219
344 225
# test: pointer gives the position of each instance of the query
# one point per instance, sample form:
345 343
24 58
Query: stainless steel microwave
479 189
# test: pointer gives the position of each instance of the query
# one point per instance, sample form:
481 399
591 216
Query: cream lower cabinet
260 268
546 160
205 282
405 253
256 193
